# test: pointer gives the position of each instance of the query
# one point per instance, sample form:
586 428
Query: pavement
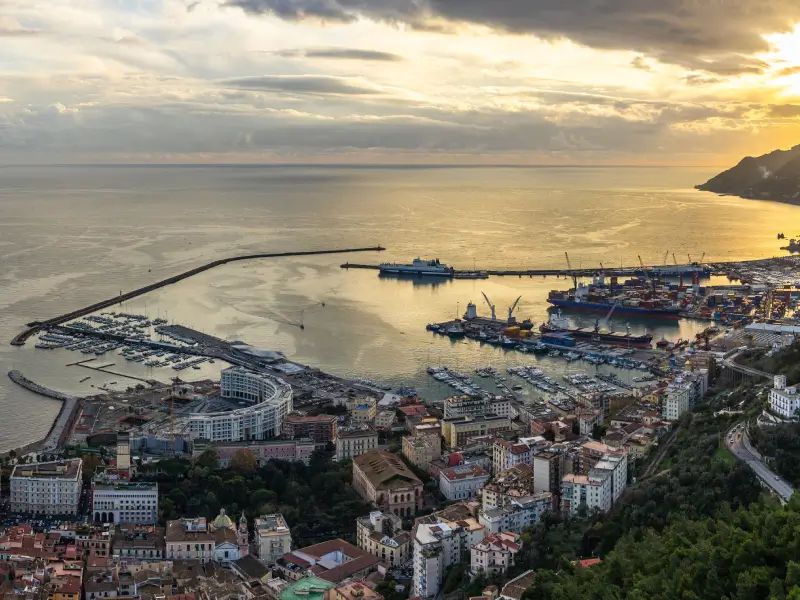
737 441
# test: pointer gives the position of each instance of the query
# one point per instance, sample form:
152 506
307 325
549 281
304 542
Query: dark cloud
300 84
715 36
785 110
339 53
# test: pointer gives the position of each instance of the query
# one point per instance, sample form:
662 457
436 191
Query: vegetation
317 500
783 362
780 444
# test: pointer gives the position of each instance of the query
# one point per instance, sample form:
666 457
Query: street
738 443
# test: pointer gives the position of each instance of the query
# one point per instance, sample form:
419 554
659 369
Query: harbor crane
675 260
702 256
569 268
512 308
491 306
666 257
641 262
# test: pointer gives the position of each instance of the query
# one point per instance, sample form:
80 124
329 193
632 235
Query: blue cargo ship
667 312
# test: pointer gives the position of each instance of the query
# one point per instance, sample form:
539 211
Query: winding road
737 441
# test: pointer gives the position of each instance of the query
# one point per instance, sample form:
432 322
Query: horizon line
372 165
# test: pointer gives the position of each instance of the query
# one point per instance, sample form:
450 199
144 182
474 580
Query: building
362 410
189 539
495 554
353 590
515 589
124 454
333 561
273 537
517 514
299 450
381 535
306 588
50 488
422 450
319 428
266 399
598 489
462 482
436 548
458 430
516 482
472 406
784 401
683 392
385 420
547 472
506 454
354 442
124 502
383 479
138 542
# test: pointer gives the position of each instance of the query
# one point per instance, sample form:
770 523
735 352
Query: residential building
513 483
515 589
299 450
50 488
591 491
381 534
319 428
189 539
265 401
273 537
385 420
472 406
784 400
495 554
421 450
462 482
362 410
518 514
383 479
333 560
137 542
354 442
458 430
506 454
353 590
547 472
436 548
123 501
683 392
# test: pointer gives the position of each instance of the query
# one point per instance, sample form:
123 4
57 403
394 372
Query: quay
70 408
36 326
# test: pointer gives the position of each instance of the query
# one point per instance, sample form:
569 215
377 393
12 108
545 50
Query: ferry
420 267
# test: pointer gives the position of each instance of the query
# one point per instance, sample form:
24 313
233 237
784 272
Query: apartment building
381 534
319 428
50 488
273 537
354 442
422 450
495 554
462 482
457 431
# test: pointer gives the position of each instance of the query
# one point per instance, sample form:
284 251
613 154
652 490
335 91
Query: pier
36 326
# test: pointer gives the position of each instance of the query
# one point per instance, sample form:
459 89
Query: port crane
569 268
666 257
675 260
512 308
491 306
641 262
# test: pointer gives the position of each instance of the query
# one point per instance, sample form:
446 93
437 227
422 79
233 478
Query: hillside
773 176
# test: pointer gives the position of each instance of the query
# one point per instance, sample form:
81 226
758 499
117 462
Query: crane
675 260
689 256
666 257
512 308
491 306
641 262
569 267
702 256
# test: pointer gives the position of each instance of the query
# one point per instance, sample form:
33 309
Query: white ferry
420 267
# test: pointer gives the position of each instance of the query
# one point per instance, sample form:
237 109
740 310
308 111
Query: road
730 362
737 441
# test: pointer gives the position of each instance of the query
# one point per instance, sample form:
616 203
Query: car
777 477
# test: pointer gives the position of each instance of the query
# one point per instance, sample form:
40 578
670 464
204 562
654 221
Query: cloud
718 37
301 84
789 71
338 53
785 110
10 27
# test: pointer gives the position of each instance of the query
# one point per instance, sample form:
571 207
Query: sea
73 235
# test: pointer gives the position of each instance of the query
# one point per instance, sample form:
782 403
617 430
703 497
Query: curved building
269 399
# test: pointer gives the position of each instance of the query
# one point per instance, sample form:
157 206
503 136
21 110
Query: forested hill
772 176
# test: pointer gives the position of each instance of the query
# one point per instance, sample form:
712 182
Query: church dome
222 521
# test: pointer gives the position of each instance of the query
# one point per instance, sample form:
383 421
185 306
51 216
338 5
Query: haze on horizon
689 82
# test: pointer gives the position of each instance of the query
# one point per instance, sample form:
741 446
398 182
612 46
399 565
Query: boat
470 275
419 267
455 330
635 299
594 334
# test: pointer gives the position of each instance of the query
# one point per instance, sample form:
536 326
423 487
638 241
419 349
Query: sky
655 82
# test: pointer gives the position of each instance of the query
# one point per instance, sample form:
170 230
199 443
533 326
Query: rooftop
384 469
61 469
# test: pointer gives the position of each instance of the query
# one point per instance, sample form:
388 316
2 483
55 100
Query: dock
36 326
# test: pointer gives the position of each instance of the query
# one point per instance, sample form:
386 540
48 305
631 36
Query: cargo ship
640 301
557 325
419 267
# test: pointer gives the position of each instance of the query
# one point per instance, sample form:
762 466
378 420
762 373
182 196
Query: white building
517 514
784 401
273 538
436 547
592 491
125 502
269 399
50 488
471 406
462 482
683 393
355 442
381 534
495 554
507 454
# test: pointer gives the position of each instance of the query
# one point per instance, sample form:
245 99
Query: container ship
634 298
558 325
418 267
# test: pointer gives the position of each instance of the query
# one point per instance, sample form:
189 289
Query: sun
784 57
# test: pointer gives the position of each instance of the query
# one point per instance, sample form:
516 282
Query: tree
244 461
208 459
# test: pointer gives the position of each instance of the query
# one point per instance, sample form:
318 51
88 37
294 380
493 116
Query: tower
124 454
242 537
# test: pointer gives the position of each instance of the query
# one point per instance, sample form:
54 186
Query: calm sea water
72 235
